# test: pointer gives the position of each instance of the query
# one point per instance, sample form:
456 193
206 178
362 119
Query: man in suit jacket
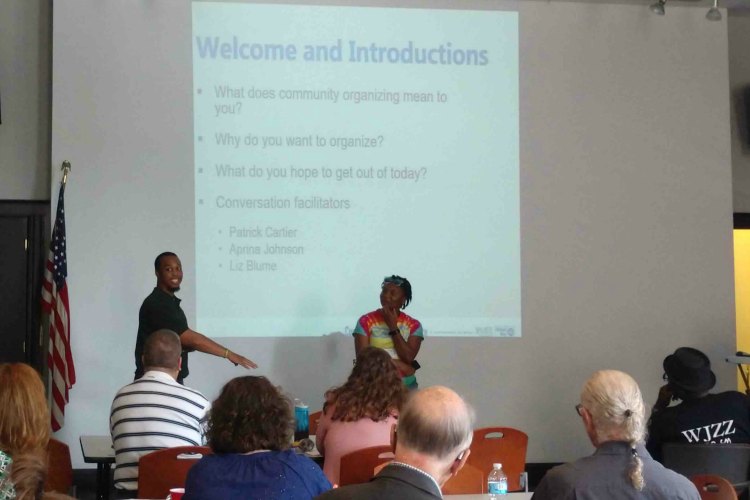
431 441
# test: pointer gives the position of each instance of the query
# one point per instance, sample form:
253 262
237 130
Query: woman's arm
404 369
407 350
360 342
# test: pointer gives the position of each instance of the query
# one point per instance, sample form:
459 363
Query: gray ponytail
616 406
636 468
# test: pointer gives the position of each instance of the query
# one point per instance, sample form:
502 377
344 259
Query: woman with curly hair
360 413
250 429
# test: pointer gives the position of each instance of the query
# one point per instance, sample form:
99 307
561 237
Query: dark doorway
23 226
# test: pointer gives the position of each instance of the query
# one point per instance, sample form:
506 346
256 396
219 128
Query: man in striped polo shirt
155 412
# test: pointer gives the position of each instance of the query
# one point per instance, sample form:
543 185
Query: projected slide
337 145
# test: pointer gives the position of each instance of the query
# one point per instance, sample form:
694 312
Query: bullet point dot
221 248
200 138
200 91
200 202
221 265
200 170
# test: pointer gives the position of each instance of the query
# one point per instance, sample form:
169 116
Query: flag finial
65 168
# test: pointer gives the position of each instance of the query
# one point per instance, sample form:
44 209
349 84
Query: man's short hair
437 422
162 350
157 261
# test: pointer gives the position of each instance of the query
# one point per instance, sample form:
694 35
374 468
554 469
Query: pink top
335 439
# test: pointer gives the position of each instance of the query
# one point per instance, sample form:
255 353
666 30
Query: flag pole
55 305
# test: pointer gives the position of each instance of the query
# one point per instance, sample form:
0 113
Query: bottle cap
497 466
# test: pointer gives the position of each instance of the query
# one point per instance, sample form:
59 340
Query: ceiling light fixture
714 14
658 7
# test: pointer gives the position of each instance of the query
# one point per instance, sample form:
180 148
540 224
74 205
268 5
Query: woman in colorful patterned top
391 329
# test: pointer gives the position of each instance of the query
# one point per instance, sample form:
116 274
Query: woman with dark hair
392 330
250 429
360 413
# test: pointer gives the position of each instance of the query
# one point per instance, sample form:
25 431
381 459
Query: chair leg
524 481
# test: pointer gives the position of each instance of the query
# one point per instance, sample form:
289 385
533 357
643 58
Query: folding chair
358 466
712 487
500 445
468 481
161 470
729 461
60 469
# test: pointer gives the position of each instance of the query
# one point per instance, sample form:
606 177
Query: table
314 454
509 496
98 450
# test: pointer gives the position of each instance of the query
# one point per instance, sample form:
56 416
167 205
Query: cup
302 420
176 493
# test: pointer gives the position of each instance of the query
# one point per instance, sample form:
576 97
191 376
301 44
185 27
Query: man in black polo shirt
700 417
161 310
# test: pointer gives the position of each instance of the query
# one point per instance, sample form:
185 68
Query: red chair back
161 470
358 466
60 469
468 481
712 487
500 445
314 419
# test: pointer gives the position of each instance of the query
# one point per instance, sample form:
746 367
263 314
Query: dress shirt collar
417 469
158 376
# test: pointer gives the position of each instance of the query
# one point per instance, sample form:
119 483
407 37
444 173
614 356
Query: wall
625 205
26 101
739 84
742 293
25 97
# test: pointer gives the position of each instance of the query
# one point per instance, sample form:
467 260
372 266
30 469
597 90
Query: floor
84 481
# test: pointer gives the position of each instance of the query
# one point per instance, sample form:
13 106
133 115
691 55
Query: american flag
55 304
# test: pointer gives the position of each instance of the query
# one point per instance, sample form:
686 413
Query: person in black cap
700 417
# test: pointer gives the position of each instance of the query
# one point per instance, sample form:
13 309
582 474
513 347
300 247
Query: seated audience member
154 412
360 413
612 412
700 417
250 429
432 442
24 434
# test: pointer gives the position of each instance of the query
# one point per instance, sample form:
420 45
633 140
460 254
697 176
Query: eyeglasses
579 409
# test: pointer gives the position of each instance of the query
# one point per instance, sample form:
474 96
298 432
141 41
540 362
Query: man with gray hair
431 441
613 415
154 412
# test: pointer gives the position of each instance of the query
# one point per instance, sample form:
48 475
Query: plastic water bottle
497 482
302 420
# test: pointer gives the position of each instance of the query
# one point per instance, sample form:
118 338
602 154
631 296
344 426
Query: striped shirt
153 413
